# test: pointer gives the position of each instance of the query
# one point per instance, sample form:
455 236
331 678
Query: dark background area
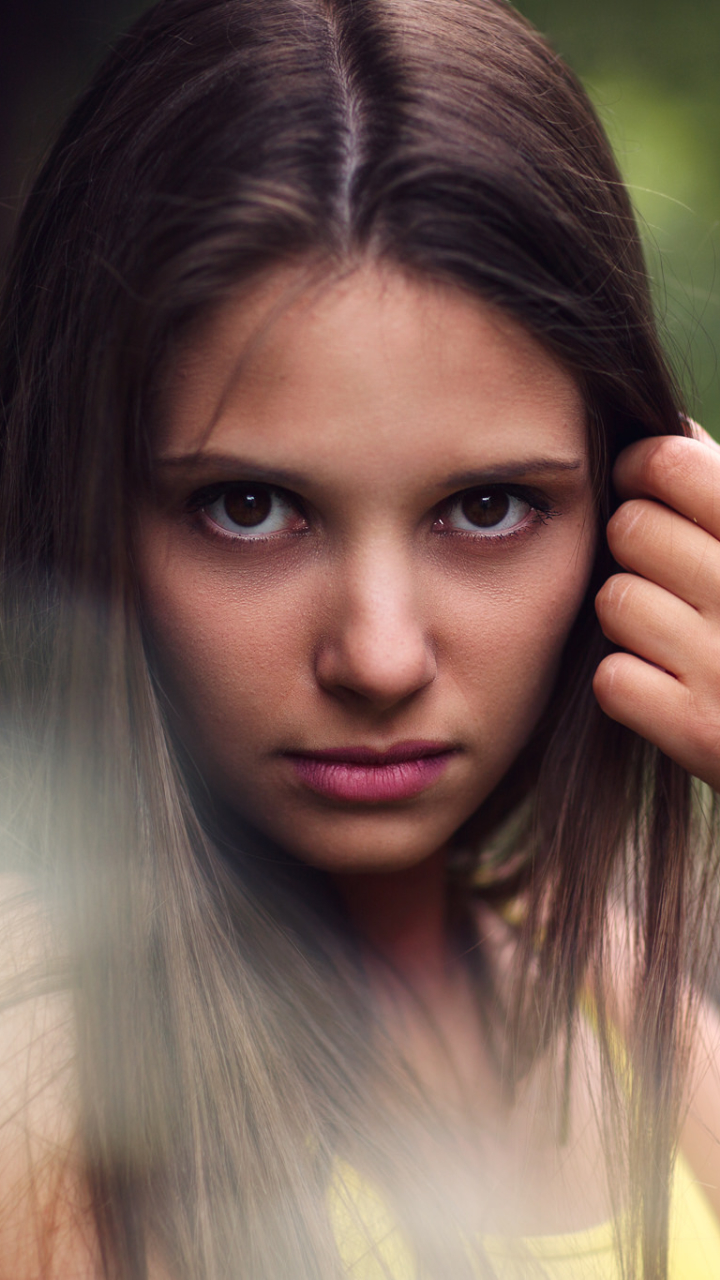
652 68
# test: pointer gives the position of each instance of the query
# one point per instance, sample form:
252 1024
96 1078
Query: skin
381 620
369 617
379 623
665 612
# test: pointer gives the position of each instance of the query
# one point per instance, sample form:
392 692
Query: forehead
376 372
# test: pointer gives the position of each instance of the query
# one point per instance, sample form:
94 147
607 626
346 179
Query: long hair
223 1045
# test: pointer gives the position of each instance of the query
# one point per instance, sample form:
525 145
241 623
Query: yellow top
359 1216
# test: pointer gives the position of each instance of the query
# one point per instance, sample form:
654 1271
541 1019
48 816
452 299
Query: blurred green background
651 66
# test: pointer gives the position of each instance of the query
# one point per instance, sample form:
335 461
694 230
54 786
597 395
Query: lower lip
370 783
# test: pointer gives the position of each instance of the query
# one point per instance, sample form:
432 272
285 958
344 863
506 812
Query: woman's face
370 531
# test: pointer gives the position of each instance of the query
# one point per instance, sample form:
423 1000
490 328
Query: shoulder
700 1136
43 1221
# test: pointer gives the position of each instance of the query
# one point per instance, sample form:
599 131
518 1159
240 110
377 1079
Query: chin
373 843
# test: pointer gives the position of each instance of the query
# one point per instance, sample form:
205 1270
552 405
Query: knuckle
702 730
702 722
709 661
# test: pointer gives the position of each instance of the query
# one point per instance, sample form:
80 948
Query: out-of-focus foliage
651 67
653 70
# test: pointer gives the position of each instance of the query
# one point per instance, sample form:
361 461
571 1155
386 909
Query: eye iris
248 507
485 507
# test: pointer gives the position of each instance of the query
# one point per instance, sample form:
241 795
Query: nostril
376 643
382 673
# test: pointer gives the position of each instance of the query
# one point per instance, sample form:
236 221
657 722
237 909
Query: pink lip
364 775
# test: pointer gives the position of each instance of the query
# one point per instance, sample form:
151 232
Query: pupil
485 507
248 507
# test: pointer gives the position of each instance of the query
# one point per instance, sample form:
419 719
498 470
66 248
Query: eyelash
541 510
203 498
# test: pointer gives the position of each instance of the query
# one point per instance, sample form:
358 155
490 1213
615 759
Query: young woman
357 897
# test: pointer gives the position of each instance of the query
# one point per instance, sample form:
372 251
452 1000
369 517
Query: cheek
237 658
229 656
509 642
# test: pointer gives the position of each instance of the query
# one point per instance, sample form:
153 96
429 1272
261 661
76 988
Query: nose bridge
377 642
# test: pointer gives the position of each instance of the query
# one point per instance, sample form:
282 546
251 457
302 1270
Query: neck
423 995
401 917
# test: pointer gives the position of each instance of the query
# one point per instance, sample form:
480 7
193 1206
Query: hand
665 611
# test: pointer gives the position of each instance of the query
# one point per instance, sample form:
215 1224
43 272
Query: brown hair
221 1025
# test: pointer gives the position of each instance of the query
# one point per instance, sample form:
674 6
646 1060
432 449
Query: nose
376 647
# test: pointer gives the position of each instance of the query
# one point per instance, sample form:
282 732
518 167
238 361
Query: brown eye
485 508
246 506
488 512
253 511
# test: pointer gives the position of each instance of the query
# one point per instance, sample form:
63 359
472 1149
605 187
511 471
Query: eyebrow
513 470
234 465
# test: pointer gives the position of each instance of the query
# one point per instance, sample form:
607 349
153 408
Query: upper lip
395 754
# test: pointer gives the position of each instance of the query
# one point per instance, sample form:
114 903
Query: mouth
367 776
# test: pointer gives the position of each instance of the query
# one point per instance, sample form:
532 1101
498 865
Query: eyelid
530 494
538 501
208 493
540 504
199 502
539 511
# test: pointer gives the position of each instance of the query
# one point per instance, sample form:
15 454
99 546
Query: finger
661 709
699 433
641 616
682 473
668 549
